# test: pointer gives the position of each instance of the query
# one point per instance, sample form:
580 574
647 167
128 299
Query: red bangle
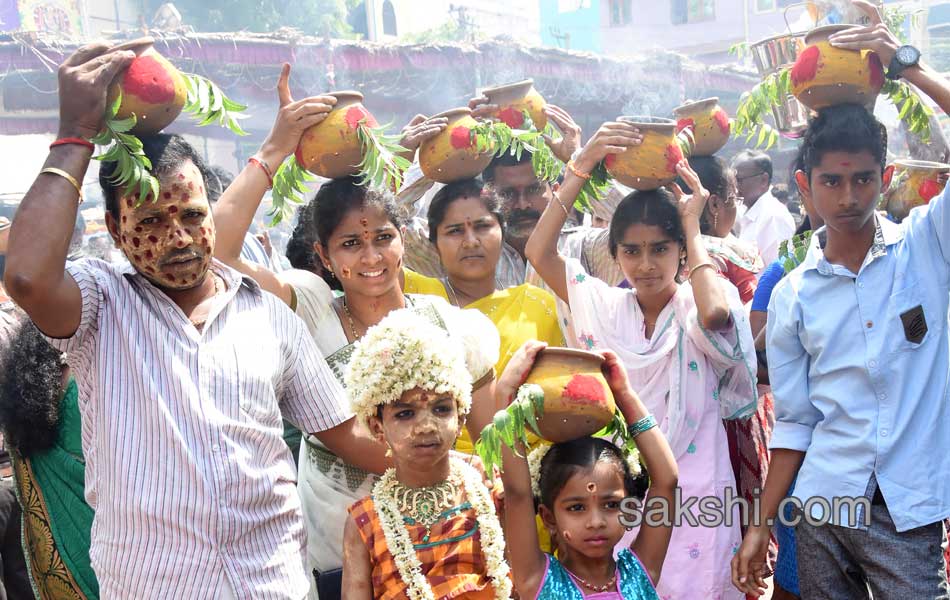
264 167
72 140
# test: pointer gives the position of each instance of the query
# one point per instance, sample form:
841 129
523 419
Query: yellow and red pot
453 154
515 98
710 125
652 164
914 183
824 76
332 147
152 89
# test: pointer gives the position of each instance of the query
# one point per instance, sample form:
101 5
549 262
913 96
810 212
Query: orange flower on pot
652 164
915 183
710 124
152 89
515 98
825 76
332 147
453 154
577 400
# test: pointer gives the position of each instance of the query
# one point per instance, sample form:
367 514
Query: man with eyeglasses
766 221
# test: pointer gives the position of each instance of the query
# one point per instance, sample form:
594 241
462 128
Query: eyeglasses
732 199
741 179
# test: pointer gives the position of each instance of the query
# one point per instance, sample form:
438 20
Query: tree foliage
314 17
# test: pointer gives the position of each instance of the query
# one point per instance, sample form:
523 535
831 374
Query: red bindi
138 229
153 239
135 242
173 209
167 195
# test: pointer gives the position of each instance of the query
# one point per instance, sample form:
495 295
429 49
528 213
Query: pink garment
689 378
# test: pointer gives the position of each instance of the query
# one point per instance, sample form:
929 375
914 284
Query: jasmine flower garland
401 547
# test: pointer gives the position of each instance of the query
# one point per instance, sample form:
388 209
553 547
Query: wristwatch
906 56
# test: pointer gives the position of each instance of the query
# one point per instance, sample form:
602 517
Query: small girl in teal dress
580 486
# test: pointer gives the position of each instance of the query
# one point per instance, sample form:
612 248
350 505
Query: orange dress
452 559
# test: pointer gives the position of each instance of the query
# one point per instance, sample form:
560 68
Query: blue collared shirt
866 399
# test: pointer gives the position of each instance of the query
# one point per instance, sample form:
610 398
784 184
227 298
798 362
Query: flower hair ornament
406 350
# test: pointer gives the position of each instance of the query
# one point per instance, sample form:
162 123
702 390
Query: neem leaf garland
910 108
382 167
205 101
510 426
133 168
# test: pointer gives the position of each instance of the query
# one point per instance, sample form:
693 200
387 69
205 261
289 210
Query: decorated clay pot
514 98
577 399
152 89
651 164
453 154
332 148
825 76
914 183
710 125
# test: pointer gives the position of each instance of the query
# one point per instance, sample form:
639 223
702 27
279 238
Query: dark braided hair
564 460
31 390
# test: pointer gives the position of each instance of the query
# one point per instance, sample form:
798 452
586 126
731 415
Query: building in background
391 20
71 19
571 24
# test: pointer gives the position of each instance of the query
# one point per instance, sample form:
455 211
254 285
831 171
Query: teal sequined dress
634 582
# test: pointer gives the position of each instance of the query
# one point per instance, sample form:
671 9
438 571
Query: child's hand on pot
517 370
628 402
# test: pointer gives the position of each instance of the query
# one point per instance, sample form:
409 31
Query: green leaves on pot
382 166
758 102
509 426
794 255
289 183
207 102
499 138
132 170
619 433
740 50
910 109
594 189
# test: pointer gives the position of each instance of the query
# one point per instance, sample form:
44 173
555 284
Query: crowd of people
199 420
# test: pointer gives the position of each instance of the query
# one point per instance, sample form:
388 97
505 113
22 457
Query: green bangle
645 424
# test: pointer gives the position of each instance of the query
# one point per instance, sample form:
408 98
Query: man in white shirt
766 222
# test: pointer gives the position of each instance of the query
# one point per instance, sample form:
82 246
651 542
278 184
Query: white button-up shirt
191 481
766 224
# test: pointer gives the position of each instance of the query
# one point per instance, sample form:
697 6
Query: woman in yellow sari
467 228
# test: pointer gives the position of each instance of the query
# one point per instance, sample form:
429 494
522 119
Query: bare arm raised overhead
35 274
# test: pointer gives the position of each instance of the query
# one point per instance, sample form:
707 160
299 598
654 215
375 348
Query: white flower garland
404 554
537 455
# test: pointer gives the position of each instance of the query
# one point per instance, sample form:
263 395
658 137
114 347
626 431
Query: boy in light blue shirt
859 362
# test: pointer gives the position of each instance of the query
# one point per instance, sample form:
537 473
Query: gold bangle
698 267
573 169
67 177
557 199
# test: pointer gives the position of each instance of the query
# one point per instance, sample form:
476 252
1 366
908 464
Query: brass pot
710 125
514 98
152 89
825 76
775 53
914 183
652 164
453 155
332 148
577 400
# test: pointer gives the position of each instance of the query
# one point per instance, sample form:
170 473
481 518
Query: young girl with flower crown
580 486
429 529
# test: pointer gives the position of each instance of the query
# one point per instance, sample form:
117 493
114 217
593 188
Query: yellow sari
520 313
414 283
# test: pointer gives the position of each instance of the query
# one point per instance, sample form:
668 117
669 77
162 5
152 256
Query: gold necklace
349 317
596 588
425 505
458 301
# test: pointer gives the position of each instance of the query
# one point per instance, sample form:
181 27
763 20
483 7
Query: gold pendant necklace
425 505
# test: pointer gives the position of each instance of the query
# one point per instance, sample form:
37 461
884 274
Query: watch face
908 55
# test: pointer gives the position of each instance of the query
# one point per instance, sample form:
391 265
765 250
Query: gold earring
389 450
715 220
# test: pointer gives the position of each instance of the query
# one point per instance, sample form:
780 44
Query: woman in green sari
39 414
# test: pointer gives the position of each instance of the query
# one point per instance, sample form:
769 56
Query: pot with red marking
152 89
453 154
652 164
577 400
709 122
825 76
914 183
332 148
513 99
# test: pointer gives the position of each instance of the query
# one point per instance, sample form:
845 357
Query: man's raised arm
35 274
